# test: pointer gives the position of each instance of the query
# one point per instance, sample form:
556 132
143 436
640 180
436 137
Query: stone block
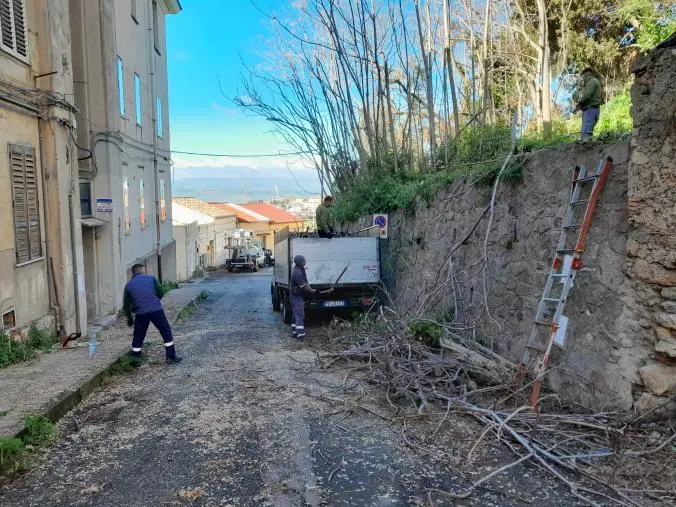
669 306
663 333
669 293
659 378
667 320
654 404
666 347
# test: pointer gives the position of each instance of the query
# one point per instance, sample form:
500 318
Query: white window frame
142 218
120 85
134 15
10 4
137 99
163 201
125 206
158 118
156 27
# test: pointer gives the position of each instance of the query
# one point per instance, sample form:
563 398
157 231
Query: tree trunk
448 55
545 68
427 61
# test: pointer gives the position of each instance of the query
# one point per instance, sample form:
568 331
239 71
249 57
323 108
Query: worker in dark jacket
142 297
299 288
589 99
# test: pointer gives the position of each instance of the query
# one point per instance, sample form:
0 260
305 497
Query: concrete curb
63 405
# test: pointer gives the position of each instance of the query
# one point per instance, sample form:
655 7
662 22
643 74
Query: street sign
382 221
104 205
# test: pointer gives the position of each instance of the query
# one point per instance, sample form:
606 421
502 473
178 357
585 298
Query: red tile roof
242 214
275 214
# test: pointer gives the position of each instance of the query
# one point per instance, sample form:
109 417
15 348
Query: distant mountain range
228 183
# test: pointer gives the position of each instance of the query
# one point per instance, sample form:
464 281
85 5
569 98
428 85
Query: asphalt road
240 423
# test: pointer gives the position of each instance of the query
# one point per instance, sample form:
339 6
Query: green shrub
11 450
427 332
39 430
167 287
14 351
40 340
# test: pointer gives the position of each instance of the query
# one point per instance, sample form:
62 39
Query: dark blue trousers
159 320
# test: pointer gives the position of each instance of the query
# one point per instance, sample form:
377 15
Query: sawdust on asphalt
245 420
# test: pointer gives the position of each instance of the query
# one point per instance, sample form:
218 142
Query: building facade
187 237
85 185
217 229
120 73
41 263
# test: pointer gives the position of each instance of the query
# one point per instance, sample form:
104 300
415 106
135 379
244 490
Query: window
160 127
85 199
142 203
125 205
13 28
8 320
163 202
120 83
133 11
137 93
156 27
27 234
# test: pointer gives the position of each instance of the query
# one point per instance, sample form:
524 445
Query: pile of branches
607 457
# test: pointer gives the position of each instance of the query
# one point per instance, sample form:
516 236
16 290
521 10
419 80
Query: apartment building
119 67
41 263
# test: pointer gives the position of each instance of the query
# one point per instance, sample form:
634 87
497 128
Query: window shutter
20 28
27 234
33 205
13 27
20 205
6 23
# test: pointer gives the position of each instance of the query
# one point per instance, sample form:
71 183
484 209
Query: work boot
174 360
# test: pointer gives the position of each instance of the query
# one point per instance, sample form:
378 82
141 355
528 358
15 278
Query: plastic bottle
92 344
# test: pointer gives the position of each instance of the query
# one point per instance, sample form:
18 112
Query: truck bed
327 258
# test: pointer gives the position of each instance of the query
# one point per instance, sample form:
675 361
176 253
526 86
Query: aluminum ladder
550 325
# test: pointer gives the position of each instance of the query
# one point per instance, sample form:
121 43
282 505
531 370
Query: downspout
72 219
153 110
53 301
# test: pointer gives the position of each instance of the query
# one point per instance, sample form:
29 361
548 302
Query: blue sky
207 42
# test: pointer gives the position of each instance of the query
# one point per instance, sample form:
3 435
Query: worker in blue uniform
142 296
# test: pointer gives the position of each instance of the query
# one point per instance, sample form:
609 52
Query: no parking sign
382 221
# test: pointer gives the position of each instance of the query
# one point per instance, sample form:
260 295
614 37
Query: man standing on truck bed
324 219
299 288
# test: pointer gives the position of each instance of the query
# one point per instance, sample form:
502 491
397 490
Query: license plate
333 304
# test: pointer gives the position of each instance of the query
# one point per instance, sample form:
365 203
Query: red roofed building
277 216
250 221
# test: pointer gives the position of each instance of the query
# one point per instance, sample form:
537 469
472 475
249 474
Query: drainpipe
53 301
76 277
153 110
72 219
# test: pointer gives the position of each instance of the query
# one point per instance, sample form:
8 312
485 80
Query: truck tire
287 314
275 299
